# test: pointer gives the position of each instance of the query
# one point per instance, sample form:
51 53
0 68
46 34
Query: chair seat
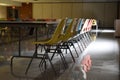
47 43
42 41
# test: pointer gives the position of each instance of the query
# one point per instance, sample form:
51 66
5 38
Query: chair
82 37
95 24
47 44
67 35
77 38
89 28
86 29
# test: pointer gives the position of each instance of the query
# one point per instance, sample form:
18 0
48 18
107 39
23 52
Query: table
21 24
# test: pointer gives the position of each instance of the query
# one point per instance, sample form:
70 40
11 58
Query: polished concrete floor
103 54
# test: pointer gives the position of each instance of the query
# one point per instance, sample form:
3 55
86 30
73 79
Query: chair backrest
69 27
84 26
94 22
57 33
70 30
80 25
59 28
76 25
68 21
89 26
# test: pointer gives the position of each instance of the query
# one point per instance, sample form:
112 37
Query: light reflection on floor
104 31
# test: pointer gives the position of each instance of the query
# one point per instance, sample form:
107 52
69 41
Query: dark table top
25 23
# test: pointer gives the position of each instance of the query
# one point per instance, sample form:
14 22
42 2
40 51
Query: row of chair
67 33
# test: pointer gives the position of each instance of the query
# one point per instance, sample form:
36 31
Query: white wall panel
88 10
38 11
47 10
77 10
66 10
104 12
57 10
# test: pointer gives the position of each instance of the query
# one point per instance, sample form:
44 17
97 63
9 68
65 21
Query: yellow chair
55 37
47 44
95 24
68 35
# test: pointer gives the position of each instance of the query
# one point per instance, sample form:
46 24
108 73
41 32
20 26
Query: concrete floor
104 54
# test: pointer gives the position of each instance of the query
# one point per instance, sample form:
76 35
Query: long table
20 24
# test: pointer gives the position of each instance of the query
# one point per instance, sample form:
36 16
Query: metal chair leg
75 49
71 54
11 64
51 64
34 55
62 58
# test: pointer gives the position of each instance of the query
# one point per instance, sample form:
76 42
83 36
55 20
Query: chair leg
51 64
11 64
84 40
75 49
81 44
71 54
45 65
34 55
42 61
63 61
70 43
63 58
28 66
76 41
54 53
88 37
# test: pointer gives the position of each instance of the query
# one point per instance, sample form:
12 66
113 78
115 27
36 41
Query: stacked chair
55 45
67 33
83 33
50 46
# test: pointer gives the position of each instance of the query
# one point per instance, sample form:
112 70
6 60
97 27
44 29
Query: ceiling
9 3
66 0
18 2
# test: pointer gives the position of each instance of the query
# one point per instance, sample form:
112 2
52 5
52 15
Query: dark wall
23 12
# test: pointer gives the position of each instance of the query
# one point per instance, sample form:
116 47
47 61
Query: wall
104 12
20 12
119 10
25 11
3 12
